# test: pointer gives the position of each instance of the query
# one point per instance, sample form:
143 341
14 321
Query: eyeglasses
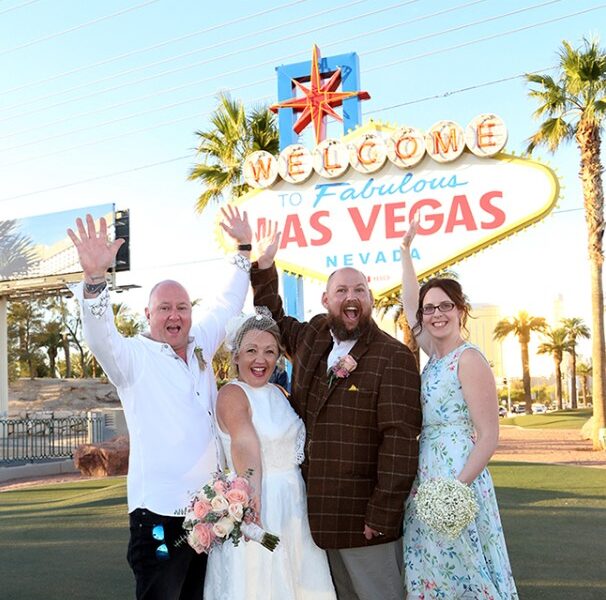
443 307
158 535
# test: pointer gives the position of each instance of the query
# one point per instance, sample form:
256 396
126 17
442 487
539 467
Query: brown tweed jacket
361 449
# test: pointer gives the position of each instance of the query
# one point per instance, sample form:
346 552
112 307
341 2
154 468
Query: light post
507 383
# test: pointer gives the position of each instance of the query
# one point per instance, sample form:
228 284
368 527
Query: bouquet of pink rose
222 510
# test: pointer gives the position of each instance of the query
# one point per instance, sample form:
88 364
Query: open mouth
173 329
258 371
351 312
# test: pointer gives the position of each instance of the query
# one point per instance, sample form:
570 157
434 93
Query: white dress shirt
339 350
168 404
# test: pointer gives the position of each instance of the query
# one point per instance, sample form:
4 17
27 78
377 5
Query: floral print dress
475 565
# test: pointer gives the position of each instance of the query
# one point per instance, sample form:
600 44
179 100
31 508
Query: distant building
58 258
481 324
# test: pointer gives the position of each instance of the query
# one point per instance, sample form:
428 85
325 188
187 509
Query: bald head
350 274
169 315
166 282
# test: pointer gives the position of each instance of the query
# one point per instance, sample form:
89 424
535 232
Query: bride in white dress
259 430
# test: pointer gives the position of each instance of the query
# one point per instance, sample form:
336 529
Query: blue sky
99 103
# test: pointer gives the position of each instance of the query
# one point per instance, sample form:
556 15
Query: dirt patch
554 446
27 396
14 484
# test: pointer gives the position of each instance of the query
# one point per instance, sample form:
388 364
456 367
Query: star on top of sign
318 99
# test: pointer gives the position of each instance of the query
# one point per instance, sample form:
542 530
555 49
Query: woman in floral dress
459 435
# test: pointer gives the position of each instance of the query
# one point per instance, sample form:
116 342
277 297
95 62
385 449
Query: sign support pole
352 117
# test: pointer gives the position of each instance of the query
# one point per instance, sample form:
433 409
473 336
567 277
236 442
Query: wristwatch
241 262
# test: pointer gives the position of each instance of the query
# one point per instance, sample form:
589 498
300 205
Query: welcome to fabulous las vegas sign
348 201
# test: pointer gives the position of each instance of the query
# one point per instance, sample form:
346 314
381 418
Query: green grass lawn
560 419
65 541
555 522
69 540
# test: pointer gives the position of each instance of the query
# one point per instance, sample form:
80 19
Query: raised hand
409 235
236 225
95 252
267 243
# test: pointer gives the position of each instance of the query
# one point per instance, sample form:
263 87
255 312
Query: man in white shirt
166 385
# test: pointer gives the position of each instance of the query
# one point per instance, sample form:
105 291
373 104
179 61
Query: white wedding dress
297 569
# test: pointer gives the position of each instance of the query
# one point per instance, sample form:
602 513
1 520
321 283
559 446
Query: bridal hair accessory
223 510
237 327
447 506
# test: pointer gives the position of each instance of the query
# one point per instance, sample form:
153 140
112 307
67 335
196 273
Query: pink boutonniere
342 368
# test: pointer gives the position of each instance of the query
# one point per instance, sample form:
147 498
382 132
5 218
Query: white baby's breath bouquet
446 505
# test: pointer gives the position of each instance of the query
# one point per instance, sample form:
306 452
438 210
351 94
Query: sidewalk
553 446
38 470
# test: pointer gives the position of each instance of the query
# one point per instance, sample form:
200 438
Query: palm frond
232 135
207 196
574 98
551 133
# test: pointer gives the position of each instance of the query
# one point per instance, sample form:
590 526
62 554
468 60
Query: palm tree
574 108
50 337
584 372
128 324
391 305
521 326
57 306
575 328
222 364
25 320
232 137
16 251
557 342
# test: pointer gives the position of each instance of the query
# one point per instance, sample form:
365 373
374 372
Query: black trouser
162 570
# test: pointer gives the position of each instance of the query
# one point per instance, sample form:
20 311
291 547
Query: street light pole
508 384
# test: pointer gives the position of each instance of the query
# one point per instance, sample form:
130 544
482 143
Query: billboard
37 255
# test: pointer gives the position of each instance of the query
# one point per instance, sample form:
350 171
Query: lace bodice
281 432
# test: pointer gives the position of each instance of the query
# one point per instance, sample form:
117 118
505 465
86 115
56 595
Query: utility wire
238 70
96 178
164 91
6 10
457 91
75 28
148 48
256 33
488 37
206 80
151 165
185 67
461 27
173 105
403 60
